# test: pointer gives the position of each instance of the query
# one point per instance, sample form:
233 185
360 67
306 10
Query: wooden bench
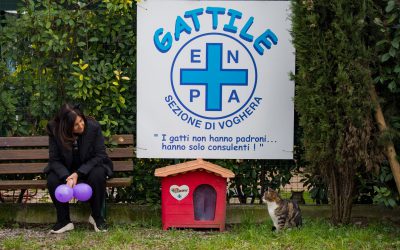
26 157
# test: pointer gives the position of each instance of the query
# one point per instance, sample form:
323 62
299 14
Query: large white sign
213 80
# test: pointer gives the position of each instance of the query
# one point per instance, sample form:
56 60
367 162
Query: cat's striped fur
284 213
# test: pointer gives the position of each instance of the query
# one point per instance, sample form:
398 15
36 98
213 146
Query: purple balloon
64 193
82 192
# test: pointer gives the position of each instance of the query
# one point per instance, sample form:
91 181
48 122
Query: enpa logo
213 75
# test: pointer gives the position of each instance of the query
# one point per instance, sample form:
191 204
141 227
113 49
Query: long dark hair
64 124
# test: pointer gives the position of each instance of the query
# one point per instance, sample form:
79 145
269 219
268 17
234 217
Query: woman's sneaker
61 227
99 225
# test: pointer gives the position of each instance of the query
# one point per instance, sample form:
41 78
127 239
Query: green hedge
67 51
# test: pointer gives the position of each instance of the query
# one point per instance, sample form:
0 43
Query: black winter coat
92 152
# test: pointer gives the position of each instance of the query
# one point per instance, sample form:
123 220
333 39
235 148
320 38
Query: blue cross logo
214 77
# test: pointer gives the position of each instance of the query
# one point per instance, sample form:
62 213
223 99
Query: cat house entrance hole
205 201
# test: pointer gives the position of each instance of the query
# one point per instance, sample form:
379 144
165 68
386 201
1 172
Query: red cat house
193 195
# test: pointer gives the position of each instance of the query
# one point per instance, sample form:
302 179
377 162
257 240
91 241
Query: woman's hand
72 180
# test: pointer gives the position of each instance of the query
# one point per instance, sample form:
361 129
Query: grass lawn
315 234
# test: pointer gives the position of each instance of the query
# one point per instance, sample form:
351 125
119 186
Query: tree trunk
341 187
390 151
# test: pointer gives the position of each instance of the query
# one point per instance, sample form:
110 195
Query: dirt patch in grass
37 232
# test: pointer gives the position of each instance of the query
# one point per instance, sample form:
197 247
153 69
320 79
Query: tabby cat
284 213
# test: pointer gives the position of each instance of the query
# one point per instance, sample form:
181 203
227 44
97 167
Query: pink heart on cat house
193 195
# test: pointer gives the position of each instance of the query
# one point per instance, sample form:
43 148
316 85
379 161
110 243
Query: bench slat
123 139
43 141
22 168
37 168
31 141
41 184
120 182
120 152
43 154
28 154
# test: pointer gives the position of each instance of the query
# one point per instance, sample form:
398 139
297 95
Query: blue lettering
209 125
253 105
181 26
258 99
194 15
262 39
244 115
234 15
230 55
165 44
193 56
168 98
234 96
194 93
215 11
243 33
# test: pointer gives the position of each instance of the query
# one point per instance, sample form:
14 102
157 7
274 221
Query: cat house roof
188 166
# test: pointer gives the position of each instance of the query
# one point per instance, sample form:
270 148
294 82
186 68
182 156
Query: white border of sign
213 80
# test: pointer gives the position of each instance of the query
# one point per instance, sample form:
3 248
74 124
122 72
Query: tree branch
390 151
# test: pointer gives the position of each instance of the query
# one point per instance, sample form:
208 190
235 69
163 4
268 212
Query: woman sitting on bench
77 154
